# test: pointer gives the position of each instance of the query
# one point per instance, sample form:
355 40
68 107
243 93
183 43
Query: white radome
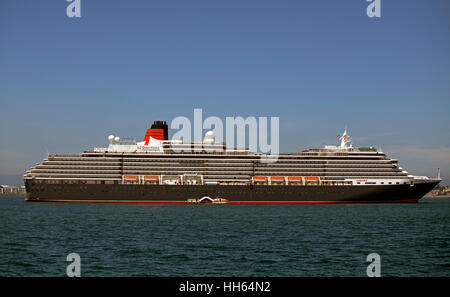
111 138
209 137
117 139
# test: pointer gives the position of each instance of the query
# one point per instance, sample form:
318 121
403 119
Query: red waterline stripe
106 201
231 202
321 202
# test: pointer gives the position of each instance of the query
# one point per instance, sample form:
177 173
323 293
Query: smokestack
159 130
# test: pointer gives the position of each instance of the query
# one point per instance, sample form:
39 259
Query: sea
204 240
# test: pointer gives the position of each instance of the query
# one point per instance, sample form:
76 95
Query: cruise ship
159 170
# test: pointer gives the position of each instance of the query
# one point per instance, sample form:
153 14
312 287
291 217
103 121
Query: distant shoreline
437 196
12 190
12 196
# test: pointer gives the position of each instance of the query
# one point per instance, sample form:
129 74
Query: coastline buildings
439 192
12 190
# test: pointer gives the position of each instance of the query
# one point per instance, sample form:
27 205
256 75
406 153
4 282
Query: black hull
233 193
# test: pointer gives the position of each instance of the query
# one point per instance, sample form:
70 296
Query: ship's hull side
233 193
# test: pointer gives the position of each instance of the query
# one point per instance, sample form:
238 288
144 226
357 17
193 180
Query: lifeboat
311 180
294 180
260 180
131 179
151 179
277 180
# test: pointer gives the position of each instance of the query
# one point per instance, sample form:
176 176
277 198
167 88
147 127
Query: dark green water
224 240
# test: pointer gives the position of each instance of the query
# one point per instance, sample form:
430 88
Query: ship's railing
334 149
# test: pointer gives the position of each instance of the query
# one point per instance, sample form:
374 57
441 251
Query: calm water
224 240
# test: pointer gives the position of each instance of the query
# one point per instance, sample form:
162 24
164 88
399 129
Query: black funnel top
161 125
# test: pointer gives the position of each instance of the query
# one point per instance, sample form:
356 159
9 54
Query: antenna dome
209 137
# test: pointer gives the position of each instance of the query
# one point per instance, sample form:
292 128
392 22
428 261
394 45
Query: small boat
208 200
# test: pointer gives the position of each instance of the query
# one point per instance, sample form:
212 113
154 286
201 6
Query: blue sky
65 84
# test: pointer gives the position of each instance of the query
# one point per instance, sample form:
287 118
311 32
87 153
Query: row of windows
240 173
52 171
86 166
176 163
212 161
240 165
204 168
265 172
82 163
73 175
